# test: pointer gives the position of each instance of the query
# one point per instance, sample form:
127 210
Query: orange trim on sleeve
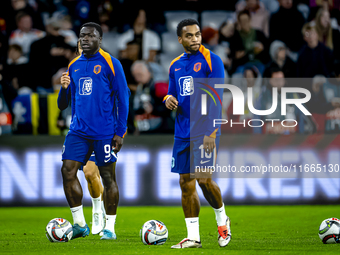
108 59
69 65
166 97
213 134
206 54
125 133
173 61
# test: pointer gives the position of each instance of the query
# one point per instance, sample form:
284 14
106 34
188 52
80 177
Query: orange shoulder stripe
206 54
108 59
69 65
173 61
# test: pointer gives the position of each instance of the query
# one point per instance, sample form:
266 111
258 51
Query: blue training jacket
190 76
99 96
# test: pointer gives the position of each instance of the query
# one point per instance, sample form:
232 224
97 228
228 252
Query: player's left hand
117 143
208 144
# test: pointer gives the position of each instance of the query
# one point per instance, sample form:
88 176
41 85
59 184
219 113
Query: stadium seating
174 17
214 19
170 44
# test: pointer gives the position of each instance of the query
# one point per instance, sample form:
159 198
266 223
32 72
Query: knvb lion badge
85 86
186 85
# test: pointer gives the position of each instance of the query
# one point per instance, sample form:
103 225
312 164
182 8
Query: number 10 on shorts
203 152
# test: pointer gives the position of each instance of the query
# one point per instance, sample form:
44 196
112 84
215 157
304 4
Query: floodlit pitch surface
255 230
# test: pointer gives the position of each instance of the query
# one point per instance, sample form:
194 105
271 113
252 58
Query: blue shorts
92 158
80 149
187 155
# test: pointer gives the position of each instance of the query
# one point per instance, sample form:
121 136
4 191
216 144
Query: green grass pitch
255 230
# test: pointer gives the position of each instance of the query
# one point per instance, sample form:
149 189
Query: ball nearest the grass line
329 231
154 232
59 230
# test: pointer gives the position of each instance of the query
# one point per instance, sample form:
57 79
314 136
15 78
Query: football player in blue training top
196 138
90 170
99 93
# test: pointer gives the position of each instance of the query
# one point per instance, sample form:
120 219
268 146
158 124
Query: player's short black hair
185 22
95 25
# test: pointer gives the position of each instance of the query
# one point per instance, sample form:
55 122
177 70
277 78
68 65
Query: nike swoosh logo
177 69
113 154
202 162
76 70
105 161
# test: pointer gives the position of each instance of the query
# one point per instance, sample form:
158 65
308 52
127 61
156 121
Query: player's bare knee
108 180
187 185
204 183
90 176
68 173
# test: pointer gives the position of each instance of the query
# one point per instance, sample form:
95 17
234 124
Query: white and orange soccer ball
329 231
154 232
59 230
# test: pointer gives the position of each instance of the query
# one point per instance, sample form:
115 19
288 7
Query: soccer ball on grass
329 231
154 232
59 230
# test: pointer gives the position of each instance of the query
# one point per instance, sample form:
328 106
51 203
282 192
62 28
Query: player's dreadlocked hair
95 25
185 22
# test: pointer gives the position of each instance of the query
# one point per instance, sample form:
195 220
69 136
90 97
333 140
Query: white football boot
187 243
224 234
97 223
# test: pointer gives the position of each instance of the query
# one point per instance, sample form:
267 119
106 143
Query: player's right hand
65 80
171 103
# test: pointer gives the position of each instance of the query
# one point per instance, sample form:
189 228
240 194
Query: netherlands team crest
197 66
97 69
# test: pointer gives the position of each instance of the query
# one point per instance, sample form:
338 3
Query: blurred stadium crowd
262 43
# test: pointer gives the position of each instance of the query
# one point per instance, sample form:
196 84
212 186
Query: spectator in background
265 102
148 40
151 113
3 52
251 79
258 12
210 39
25 35
331 91
230 38
326 34
66 31
318 105
16 70
48 56
22 6
110 37
128 57
254 41
70 54
314 58
285 25
315 5
15 73
280 59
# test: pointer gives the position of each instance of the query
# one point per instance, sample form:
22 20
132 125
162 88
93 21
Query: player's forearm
63 99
